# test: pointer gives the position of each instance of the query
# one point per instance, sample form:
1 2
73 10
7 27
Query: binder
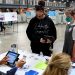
31 72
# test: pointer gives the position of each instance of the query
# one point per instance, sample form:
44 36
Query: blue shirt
12 71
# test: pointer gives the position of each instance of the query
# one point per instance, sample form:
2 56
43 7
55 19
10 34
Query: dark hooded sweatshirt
38 29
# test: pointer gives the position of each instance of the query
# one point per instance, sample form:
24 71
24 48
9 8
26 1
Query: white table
31 60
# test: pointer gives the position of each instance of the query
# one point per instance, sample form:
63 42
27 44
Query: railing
12 6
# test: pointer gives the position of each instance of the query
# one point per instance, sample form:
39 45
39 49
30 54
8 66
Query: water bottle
24 58
41 54
13 48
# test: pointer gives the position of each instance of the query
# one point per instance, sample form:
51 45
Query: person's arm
52 32
19 64
73 51
30 31
4 60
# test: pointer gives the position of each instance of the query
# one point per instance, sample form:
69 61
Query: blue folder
31 72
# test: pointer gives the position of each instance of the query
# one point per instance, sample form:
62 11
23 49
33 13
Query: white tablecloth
31 61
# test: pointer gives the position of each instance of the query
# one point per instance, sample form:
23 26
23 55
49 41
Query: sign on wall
8 16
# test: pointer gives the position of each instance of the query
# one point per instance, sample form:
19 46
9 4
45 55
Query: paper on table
20 71
4 68
41 65
72 72
73 64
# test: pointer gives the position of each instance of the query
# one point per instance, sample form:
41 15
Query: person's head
70 14
40 12
58 65
67 12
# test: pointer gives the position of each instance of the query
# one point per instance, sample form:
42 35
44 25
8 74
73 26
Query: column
36 2
30 2
16 1
0 1
33 2
23 2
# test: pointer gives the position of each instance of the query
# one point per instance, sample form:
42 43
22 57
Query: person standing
41 32
69 42
1 25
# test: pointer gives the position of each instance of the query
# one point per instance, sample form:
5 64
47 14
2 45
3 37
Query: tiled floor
22 41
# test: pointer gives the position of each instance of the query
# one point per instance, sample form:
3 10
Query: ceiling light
54 1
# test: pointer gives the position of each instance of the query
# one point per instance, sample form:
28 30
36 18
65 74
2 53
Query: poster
8 16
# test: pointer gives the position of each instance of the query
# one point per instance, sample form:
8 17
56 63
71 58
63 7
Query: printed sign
8 16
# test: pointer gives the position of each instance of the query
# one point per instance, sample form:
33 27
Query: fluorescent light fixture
54 1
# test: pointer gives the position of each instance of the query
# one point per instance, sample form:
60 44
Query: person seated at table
19 64
58 65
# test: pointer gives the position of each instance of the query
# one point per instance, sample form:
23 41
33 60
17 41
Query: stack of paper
41 65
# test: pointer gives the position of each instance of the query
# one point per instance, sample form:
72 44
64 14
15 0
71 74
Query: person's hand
4 60
20 63
42 40
49 41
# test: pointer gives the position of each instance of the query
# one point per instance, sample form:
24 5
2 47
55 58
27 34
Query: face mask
68 19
